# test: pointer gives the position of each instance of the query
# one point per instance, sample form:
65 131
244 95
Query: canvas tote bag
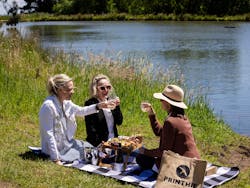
177 171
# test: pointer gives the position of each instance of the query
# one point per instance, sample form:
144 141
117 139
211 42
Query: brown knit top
175 135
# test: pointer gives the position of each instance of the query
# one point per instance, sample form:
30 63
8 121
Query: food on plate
128 143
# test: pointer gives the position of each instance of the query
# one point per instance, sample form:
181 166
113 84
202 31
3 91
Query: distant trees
201 7
39 6
12 10
64 7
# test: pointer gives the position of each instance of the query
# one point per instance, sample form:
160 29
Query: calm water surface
213 55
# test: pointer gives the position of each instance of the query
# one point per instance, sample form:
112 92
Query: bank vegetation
24 69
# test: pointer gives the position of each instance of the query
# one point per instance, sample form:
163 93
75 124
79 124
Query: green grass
24 69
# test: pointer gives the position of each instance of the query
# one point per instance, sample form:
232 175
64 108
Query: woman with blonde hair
102 125
57 121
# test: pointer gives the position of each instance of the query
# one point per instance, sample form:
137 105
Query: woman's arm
85 110
167 137
156 126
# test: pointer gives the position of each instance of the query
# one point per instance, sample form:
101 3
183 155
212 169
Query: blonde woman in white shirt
58 124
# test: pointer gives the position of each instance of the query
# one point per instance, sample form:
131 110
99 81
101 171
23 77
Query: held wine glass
112 97
145 106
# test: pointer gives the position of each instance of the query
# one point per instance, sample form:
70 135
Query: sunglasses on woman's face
105 87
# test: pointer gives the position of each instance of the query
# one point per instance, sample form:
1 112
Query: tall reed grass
127 17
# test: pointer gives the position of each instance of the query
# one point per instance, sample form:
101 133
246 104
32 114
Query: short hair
57 81
94 83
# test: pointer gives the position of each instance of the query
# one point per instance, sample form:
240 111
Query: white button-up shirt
58 125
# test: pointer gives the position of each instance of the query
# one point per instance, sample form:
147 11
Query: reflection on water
213 55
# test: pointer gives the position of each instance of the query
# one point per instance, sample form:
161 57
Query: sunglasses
105 87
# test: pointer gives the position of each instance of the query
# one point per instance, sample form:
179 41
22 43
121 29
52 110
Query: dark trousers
144 161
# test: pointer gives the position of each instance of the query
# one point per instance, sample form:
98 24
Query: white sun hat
172 94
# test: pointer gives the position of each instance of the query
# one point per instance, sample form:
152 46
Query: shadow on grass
34 156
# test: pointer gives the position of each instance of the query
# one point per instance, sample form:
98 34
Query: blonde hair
57 81
94 83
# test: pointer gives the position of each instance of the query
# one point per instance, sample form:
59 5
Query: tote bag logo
182 171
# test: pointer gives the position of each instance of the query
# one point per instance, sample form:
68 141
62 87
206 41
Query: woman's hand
117 101
111 104
147 107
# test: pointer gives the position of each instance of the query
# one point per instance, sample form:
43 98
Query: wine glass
112 97
145 106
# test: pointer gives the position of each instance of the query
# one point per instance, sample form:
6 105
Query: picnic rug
147 178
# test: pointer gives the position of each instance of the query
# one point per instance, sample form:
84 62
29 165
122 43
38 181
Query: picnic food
127 143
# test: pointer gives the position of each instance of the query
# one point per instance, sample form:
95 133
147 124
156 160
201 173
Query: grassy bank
127 17
24 69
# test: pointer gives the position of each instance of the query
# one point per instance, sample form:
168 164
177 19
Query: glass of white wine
145 105
112 97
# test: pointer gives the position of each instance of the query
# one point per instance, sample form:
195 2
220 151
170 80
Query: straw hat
173 95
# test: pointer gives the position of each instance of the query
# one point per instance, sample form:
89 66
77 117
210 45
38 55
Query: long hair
176 111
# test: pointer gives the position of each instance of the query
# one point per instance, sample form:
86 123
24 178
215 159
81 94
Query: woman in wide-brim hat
176 132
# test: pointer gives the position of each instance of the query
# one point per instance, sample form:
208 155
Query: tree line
135 7
139 7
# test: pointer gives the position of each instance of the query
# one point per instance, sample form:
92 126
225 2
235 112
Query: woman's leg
144 161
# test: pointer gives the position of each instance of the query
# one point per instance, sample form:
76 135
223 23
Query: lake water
213 55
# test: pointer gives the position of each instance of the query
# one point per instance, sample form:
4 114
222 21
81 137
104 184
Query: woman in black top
102 125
